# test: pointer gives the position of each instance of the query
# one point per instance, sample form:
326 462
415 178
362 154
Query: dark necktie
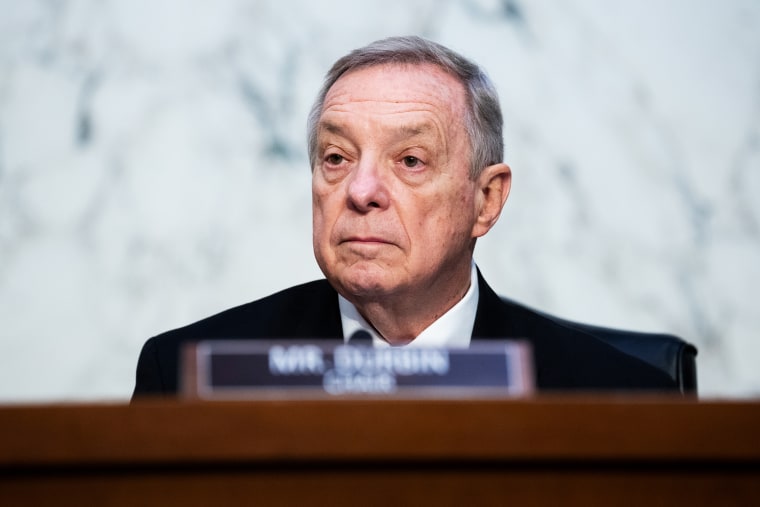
360 338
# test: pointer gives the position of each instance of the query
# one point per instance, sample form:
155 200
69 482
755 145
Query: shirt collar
453 329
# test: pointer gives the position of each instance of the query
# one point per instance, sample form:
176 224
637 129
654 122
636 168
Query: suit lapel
492 319
321 318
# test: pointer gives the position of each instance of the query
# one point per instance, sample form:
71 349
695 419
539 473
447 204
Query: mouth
366 245
366 240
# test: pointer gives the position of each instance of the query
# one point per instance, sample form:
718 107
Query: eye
334 159
410 161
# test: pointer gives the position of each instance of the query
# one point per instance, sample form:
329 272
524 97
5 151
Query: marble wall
153 170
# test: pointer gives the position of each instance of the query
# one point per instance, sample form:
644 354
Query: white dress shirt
453 329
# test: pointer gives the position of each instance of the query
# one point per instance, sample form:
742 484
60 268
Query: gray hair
483 119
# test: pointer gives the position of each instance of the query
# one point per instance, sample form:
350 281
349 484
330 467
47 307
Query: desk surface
545 448
347 429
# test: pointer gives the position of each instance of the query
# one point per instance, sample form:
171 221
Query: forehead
397 88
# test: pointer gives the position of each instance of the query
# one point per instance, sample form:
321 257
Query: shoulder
567 355
304 311
273 315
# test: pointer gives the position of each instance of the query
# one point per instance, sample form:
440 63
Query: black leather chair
669 353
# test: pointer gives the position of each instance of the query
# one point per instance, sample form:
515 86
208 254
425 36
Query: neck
400 318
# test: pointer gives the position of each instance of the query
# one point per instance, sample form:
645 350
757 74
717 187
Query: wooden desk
556 451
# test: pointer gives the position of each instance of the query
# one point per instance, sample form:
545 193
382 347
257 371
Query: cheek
435 222
454 204
325 204
320 233
318 218
451 218
317 210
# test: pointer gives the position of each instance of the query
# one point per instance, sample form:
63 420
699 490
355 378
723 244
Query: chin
363 284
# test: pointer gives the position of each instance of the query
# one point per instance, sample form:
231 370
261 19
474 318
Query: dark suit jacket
565 358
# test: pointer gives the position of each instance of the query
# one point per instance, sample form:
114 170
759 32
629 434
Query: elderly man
405 143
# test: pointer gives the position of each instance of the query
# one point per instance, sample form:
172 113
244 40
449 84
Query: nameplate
239 369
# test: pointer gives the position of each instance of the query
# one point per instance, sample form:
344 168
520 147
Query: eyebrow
331 127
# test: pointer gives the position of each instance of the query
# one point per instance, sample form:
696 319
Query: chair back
669 353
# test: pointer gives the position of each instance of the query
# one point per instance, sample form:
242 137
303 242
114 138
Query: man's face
394 209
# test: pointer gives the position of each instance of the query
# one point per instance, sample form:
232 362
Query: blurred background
153 168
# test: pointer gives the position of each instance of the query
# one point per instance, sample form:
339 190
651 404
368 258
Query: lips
361 234
369 247
365 239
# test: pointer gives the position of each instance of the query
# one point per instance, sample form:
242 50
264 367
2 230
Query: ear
493 183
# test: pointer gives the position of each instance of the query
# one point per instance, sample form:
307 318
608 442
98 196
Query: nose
367 189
